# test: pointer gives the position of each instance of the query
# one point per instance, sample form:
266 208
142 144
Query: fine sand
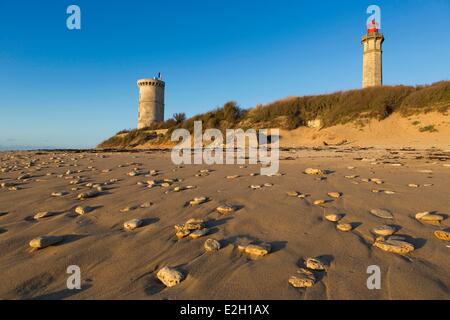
120 264
394 131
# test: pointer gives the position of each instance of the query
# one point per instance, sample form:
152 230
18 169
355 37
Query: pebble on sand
226 209
335 195
132 224
190 226
59 194
211 245
384 230
43 214
315 264
169 277
320 202
429 217
333 217
45 241
257 251
382 213
312 171
82 210
86 195
344 227
394 245
198 200
128 209
303 279
442 235
146 205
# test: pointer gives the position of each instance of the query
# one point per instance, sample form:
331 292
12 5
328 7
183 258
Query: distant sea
21 148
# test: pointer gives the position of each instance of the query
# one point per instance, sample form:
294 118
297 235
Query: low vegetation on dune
290 113
129 139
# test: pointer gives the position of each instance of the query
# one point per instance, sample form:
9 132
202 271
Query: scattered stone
197 201
169 277
89 194
24 177
226 209
256 186
128 209
377 181
82 210
315 264
333 217
146 205
267 184
59 194
182 232
211 245
194 224
413 185
389 192
45 241
256 251
233 177
384 230
334 194
132 224
345 227
44 214
382 213
442 235
178 189
293 193
320 202
7 184
303 279
393 245
312 171
133 173
429 217
189 227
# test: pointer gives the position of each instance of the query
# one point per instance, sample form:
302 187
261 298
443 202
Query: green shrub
429 128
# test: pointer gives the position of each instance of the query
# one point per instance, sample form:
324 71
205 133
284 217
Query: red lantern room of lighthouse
373 27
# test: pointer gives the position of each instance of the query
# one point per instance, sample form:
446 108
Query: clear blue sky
61 88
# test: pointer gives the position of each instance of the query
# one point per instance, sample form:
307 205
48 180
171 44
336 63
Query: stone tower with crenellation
372 43
151 101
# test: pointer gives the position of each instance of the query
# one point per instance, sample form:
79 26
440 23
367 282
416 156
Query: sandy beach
279 211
